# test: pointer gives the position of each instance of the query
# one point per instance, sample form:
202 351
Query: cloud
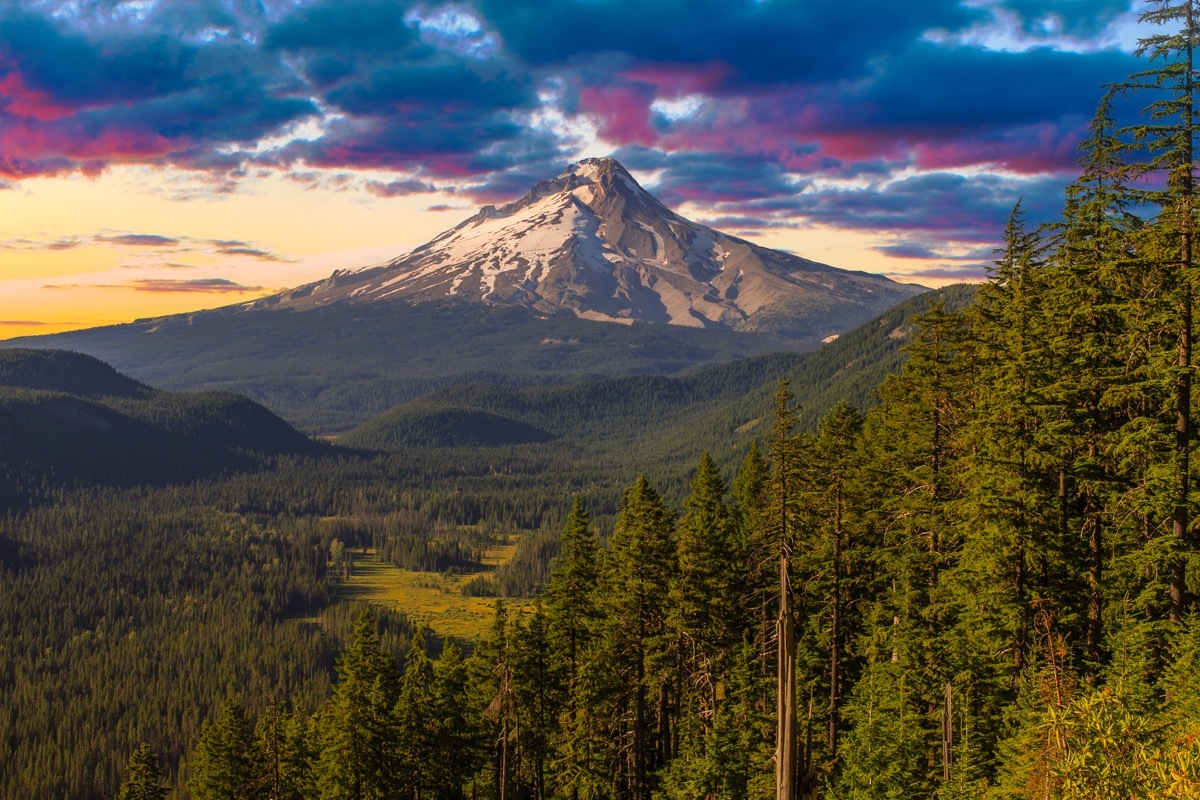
204 285
77 97
253 252
399 188
164 285
157 265
760 43
1055 18
140 240
25 323
179 244
949 272
907 250
63 243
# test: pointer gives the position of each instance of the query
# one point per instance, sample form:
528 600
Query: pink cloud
675 80
624 112
19 100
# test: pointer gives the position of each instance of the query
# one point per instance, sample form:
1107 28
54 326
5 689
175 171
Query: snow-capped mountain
594 242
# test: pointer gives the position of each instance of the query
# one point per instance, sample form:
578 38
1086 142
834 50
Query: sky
160 156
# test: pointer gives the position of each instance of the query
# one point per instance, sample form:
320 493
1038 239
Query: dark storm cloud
1081 18
709 177
762 43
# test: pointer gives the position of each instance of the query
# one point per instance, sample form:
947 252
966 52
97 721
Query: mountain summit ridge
593 242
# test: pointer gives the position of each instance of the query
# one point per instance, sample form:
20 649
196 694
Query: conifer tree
143 780
455 737
1169 138
414 723
358 758
831 477
746 492
572 618
299 755
569 596
225 763
704 592
1093 276
774 542
705 595
635 581
270 734
913 441
492 669
539 699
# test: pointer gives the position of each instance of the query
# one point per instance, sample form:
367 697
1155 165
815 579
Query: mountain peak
592 241
596 168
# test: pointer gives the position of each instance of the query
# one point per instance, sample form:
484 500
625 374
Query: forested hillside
67 419
329 369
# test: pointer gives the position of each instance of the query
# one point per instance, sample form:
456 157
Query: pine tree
143 780
706 599
747 491
299 755
1093 275
635 580
706 586
455 736
913 444
414 722
831 470
1169 139
572 619
358 759
569 597
539 700
774 543
492 668
225 764
271 745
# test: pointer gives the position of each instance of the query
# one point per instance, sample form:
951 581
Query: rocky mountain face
594 242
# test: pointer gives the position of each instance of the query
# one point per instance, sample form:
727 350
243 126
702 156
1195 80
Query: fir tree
143 780
225 765
1169 139
635 581
413 722
358 759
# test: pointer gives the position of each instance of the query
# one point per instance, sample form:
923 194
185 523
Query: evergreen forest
981 581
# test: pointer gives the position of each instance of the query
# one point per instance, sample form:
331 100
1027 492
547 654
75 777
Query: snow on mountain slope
592 241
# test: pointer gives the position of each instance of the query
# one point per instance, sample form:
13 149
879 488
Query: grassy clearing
426 597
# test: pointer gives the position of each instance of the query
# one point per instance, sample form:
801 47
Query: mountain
593 242
522 295
67 418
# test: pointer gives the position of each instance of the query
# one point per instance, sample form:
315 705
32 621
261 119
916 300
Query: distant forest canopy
989 579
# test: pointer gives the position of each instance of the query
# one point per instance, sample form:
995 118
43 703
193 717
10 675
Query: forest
981 583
